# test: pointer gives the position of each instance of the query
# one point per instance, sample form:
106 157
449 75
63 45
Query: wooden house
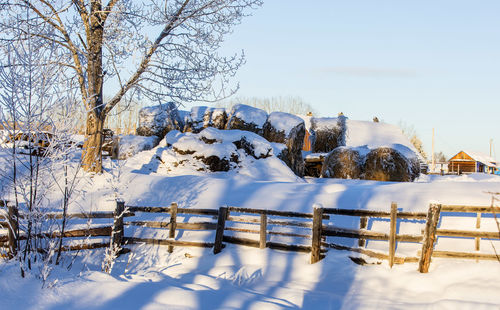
469 162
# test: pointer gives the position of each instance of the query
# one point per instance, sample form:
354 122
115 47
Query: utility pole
433 164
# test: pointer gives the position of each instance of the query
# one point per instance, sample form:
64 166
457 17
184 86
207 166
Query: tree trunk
92 148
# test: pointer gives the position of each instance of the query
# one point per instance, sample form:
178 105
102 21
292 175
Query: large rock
290 130
388 164
158 120
327 133
343 163
247 118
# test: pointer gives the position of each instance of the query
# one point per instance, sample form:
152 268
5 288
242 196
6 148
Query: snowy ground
247 278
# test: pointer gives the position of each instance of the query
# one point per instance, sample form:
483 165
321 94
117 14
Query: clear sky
429 64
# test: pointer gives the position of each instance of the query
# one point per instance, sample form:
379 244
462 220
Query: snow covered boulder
290 130
247 118
343 163
131 145
388 164
158 120
328 133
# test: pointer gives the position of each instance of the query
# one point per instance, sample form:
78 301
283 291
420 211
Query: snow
482 158
193 143
324 123
374 135
130 145
247 278
284 121
249 114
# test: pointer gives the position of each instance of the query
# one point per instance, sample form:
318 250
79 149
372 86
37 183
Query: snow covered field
246 278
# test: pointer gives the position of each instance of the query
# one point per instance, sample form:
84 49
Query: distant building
469 162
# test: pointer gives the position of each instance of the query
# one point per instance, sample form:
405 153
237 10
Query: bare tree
101 41
36 105
410 132
294 105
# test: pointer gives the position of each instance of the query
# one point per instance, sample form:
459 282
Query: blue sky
425 63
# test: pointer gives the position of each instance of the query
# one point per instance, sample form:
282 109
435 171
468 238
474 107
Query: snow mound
131 145
248 118
374 135
284 122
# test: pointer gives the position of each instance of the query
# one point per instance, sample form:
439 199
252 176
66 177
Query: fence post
117 231
429 237
478 225
219 232
316 234
12 232
172 225
392 233
363 223
263 231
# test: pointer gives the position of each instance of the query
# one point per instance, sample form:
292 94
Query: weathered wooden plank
273 212
477 256
371 253
210 212
429 237
377 214
470 209
134 240
85 246
185 226
12 232
89 215
172 226
117 233
289 247
219 231
478 225
333 231
149 209
255 219
468 233
316 235
263 231
241 241
363 224
392 233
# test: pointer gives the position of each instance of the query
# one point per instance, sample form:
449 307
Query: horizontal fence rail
229 224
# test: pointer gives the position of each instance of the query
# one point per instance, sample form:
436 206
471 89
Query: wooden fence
311 228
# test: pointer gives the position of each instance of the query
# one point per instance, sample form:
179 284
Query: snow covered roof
482 158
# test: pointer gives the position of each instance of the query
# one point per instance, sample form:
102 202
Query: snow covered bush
130 145
342 162
158 120
288 129
39 173
247 118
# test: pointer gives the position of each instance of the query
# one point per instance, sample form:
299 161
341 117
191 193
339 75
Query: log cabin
469 162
